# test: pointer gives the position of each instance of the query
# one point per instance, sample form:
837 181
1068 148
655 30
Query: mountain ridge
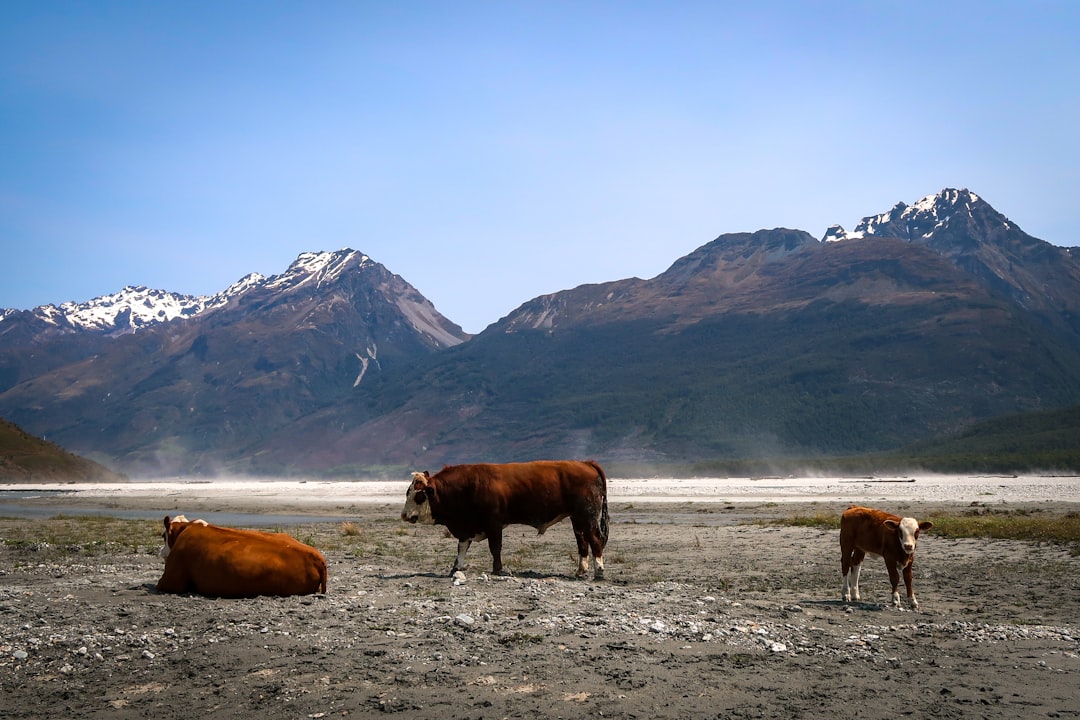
136 306
938 315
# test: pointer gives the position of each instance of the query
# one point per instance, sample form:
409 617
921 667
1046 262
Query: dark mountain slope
200 395
756 344
1042 441
25 458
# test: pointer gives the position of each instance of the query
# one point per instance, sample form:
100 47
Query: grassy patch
83 534
1011 525
521 638
1027 525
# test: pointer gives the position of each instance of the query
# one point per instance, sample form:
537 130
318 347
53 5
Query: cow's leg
459 561
588 538
495 545
894 578
596 543
582 549
909 584
173 579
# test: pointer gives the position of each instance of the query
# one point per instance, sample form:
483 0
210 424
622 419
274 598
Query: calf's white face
907 531
417 508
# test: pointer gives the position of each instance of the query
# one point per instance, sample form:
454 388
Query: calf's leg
909 584
894 578
851 563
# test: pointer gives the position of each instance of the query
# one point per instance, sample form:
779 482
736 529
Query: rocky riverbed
705 613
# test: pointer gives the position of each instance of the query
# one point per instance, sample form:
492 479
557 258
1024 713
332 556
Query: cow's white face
417 506
165 548
166 533
908 534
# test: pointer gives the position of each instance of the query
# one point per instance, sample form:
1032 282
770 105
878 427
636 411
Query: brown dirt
700 617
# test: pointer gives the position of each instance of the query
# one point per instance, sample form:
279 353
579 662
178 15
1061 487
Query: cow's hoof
598 575
502 573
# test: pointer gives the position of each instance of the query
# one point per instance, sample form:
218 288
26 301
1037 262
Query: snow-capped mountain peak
131 308
317 267
136 306
239 287
916 223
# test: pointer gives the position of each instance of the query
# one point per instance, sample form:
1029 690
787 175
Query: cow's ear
167 521
891 524
427 474
925 525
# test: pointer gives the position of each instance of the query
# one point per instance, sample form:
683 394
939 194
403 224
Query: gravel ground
701 616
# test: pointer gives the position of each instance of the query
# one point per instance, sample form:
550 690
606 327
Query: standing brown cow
477 501
226 562
864 530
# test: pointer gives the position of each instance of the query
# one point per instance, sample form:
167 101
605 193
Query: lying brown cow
225 562
863 530
477 501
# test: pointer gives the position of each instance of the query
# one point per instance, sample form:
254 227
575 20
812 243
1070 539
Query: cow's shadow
536 575
485 576
411 576
841 604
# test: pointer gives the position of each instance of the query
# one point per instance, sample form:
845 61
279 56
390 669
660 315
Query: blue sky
491 152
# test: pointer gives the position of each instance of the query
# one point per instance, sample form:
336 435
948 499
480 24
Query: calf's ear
892 524
925 525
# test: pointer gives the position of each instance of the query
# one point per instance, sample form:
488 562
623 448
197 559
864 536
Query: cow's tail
322 577
601 482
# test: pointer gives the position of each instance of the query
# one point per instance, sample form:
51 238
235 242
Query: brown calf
864 530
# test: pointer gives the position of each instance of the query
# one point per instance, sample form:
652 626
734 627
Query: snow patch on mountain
911 222
136 307
317 267
130 309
